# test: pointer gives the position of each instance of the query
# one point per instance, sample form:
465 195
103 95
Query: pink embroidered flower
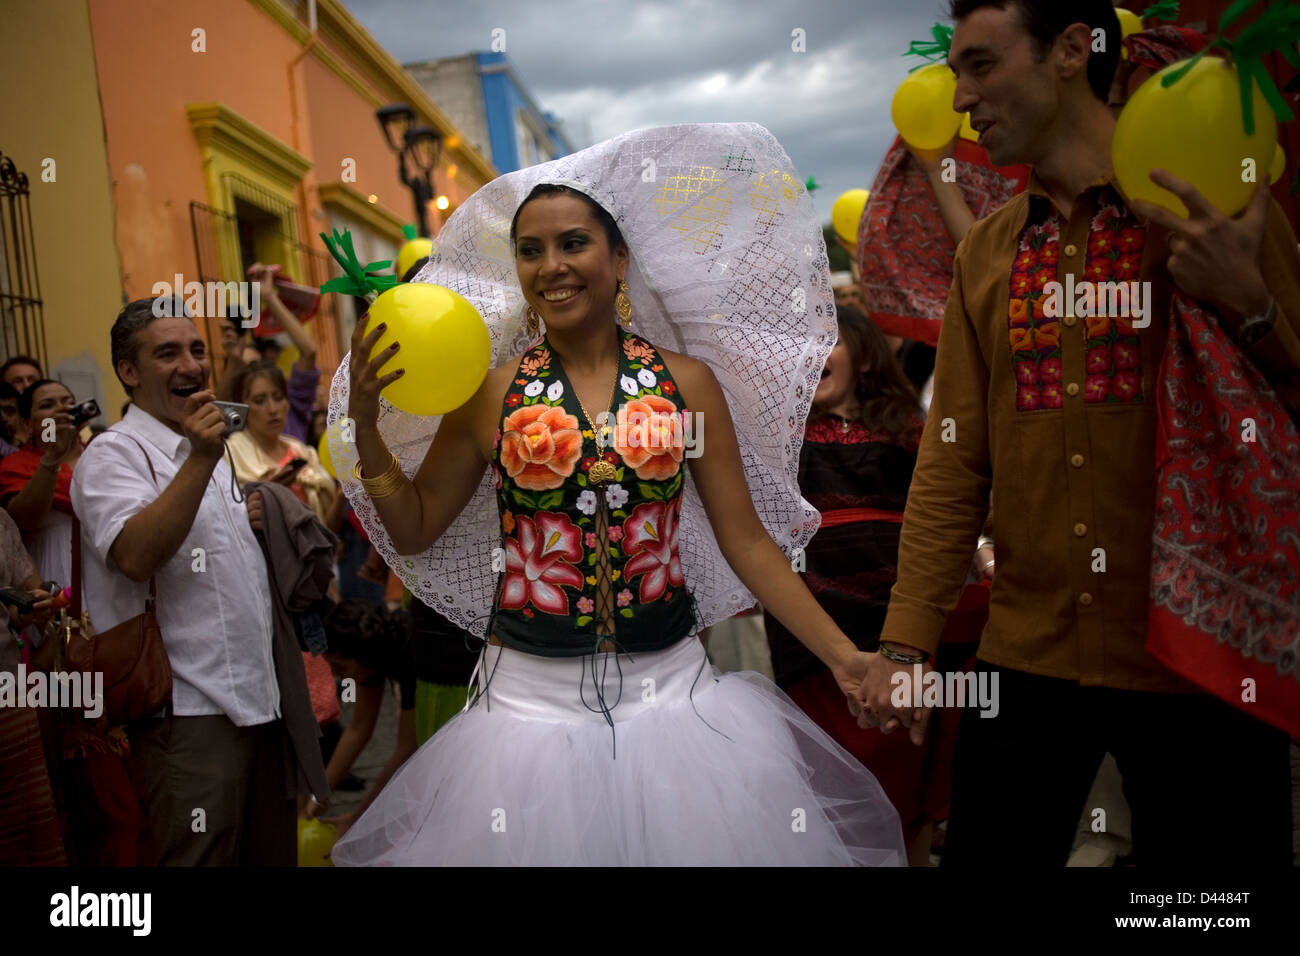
651 543
1049 369
540 560
1052 397
1095 388
624 597
1027 398
1026 373
615 533
1124 355
1125 386
1098 359
586 605
589 539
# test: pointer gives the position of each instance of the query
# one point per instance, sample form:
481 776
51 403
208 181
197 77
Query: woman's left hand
342 822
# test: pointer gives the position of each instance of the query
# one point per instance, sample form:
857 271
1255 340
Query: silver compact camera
235 414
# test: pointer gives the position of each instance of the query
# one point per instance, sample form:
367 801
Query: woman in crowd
35 481
601 735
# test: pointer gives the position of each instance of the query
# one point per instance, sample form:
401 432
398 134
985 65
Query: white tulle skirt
699 768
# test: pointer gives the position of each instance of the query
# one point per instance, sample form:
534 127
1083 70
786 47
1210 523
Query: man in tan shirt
1051 418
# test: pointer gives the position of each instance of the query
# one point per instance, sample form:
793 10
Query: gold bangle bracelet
389 483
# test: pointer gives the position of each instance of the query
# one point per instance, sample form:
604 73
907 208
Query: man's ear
128 374
1073 47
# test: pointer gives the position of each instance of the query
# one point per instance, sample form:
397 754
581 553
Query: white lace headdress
728 265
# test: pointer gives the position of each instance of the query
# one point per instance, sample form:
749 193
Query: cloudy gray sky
615 65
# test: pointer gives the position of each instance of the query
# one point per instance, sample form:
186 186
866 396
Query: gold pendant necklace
601 470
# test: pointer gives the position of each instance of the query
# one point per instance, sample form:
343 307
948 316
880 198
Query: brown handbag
131 656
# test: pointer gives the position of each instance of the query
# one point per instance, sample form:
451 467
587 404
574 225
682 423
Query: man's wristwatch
1257 326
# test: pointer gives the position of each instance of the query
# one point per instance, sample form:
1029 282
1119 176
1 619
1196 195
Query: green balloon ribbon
812 184
1276 30
410 232
1164 10
933 50
355 279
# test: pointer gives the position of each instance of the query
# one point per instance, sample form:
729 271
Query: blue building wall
502 99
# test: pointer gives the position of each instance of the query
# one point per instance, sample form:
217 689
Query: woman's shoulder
683 367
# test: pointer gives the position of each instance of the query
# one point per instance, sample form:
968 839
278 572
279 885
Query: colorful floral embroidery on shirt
549 506
1112 357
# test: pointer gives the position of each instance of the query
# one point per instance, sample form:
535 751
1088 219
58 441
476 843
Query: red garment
904 251
19 468
1225 562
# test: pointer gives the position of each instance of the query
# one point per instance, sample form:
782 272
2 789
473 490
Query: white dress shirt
216 623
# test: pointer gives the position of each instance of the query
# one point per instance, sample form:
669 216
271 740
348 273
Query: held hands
1213 258
364 381
204 426
931 160
871 700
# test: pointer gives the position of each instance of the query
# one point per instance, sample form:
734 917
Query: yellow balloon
967 131
1129 22
323 453
288 355
445 347
315 840
1194 129
1278 166
410 254
922 107
847 213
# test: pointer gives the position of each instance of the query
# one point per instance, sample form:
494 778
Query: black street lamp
421 146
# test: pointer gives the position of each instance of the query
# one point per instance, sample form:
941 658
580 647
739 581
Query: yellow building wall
52 110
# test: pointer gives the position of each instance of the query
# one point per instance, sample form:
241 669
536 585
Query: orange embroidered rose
1047 335
637 351
650 438
540 445
532 364
1022 340
1018 311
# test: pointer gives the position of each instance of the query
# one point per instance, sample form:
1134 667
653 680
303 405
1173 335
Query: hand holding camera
205 425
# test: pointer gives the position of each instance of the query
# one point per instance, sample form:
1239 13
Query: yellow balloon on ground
922 107
445 347
967 131
1129 23
1278 167
1194 129
410 254
847 213
315 840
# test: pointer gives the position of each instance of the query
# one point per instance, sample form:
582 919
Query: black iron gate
22 324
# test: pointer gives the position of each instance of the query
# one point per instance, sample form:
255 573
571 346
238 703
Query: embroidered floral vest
590 538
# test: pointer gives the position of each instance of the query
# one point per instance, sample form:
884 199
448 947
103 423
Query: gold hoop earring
623 305
533 322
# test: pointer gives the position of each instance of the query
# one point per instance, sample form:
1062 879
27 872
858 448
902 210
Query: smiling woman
607 547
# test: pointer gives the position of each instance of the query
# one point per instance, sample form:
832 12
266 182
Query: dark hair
419 263
20 360
135 315
889 401
1045 20
602 215
27 397
370 634
254 370
7 391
